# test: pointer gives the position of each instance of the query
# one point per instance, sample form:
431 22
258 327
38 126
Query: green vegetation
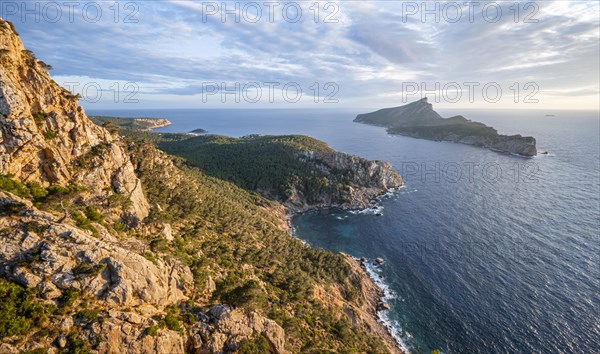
90 316
75 345
83 222
20 310
276 166
68 297
237 238
49 135
170 320
84 269
36 227
35 192
115 124
151 331
258 345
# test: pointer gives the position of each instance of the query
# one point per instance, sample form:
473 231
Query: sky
307 54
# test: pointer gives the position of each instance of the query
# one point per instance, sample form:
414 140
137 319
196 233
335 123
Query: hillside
135 124
301 172
419 120
111 245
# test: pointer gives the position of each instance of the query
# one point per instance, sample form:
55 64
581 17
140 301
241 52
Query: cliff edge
46 137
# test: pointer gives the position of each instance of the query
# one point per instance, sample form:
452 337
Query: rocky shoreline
373 295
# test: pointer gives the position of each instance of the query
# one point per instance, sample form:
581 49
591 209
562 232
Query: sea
483 252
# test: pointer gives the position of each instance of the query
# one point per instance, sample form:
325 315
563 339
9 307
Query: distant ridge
419 120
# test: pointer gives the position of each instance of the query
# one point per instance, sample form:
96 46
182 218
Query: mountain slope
46 137
110 245
419 120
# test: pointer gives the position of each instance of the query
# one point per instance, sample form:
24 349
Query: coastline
374 293
500 151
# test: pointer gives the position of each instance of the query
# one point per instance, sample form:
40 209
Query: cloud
371 48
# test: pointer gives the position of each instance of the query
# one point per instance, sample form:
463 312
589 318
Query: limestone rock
123 277
227 328
46 137
370 179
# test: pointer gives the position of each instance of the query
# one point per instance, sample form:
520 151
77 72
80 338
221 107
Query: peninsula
419 120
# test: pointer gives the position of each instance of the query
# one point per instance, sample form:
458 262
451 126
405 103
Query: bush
20 312
93 214
68 297
87 269
9 185
83 222
34 226
151 331
49 135
75 345
250 296
257 345
90 316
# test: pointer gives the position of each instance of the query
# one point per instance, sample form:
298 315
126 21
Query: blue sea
484 252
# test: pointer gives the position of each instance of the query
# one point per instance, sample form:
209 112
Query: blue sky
176 54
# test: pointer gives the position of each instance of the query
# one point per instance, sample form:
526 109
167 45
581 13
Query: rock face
46 137
223 330
71 258
366 181
419 120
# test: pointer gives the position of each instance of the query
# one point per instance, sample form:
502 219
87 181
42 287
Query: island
136 124
419 120
198 131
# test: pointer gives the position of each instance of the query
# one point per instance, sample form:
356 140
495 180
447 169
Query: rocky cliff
364 181
419 120
46 137
109 245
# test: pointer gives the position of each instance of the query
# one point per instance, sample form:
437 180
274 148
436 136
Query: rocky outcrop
70 258
419 120
46 137
60 257
224 329
365 180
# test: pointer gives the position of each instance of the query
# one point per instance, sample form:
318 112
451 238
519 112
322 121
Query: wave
396 331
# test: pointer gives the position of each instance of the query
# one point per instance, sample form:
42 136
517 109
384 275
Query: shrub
9 185
151 331
68 297
86 269
75 345
49 135
93 214
20 312
90 316
34 226
37 192
83 222
257 345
